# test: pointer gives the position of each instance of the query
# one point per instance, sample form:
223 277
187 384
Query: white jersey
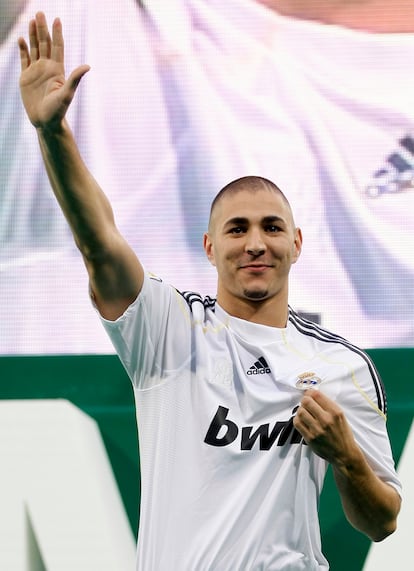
212 91
326 113
228 484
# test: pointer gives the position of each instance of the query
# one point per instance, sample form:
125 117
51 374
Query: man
233 446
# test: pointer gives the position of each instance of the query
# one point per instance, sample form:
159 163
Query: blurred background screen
184 96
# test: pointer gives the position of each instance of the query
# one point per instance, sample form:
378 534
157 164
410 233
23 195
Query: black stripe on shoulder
192 297
313 330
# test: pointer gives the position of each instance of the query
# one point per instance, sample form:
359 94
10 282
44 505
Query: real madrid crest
307 381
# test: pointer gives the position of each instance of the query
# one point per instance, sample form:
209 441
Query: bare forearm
370 505
83 203
115 274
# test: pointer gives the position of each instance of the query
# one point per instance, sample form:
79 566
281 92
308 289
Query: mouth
255 268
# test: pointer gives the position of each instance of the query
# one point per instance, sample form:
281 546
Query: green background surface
99 386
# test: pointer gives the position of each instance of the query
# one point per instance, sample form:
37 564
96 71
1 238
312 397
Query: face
253 243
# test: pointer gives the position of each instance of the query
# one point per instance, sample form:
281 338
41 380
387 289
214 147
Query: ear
297 247
208 248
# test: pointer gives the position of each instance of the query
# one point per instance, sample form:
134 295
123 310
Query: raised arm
115 273
370 504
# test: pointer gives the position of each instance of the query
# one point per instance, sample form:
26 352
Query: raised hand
45 92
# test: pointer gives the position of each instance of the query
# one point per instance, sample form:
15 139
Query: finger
304 419
57 41
73 81
76 75
43 36
311 406
33 41
309 427
24 54
302 423
321 398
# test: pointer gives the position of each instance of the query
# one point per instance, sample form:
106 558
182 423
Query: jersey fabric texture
326 113
225 89
227 482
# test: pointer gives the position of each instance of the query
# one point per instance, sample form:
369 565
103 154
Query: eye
272 228
236 230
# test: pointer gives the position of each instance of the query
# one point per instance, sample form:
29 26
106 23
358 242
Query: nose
255 245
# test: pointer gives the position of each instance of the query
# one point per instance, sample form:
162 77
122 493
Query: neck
271 312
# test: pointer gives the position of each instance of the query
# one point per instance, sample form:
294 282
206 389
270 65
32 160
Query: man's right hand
45 92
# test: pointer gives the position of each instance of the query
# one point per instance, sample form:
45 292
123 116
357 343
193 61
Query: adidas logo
398 173
259 368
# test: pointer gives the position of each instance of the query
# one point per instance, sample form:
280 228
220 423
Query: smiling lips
255 267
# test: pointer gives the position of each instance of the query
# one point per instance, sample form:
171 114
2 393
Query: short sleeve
364 404
153 336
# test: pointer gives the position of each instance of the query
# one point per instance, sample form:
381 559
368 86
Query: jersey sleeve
153 336
365 406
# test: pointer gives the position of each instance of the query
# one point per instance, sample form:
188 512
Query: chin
256 294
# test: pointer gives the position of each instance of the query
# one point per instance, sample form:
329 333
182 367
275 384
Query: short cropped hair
250 183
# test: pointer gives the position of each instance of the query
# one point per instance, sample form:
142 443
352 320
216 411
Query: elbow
389 524
385 530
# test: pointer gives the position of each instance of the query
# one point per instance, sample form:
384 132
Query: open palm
45 92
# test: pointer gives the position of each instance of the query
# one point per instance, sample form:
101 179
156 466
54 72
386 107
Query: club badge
307 381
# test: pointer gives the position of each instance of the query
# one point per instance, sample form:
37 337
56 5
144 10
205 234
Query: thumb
73 81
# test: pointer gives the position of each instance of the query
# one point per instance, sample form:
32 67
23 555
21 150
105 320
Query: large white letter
60 508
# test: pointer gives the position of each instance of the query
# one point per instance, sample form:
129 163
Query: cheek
227 255
224 263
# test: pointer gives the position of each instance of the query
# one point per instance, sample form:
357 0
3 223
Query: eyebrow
244 221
